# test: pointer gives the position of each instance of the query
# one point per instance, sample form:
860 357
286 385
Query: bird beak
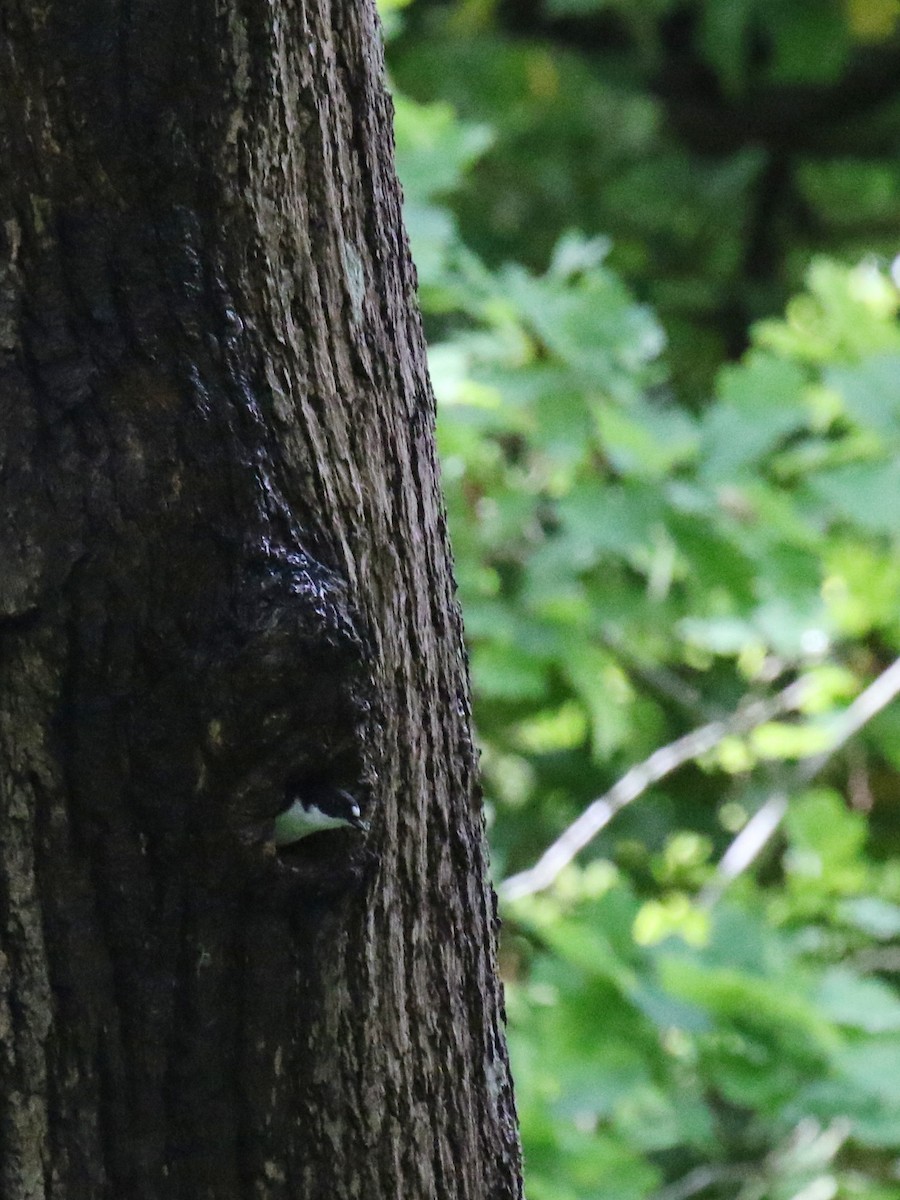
355 818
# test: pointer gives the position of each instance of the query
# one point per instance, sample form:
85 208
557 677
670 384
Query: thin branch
701 1178
807 1145
868 704
636 781
746 847
885 959
761 827
658 679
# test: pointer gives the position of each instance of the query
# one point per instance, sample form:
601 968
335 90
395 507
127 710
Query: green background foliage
654 243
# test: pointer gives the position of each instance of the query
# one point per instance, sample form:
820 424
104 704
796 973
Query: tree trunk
223 573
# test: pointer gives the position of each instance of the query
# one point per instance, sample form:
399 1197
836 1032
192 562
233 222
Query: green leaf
859 1003
819 824
871 393
875 916
504 672
873 1066
434 147
748 1003
809 40
608 520
862 495
760 400
604 688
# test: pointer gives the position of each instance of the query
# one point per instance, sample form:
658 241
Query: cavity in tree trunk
224 573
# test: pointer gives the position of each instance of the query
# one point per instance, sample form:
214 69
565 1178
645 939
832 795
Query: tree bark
223 571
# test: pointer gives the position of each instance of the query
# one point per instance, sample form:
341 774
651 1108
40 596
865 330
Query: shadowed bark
224 571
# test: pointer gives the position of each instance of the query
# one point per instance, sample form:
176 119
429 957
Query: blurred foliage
671 449
719 143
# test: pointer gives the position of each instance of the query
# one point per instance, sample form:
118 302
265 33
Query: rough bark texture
223 568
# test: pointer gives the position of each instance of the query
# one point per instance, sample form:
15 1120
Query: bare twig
885 959
705 1177
758 831
635 782
807 1146
868 704
746 847
657 679
761 827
